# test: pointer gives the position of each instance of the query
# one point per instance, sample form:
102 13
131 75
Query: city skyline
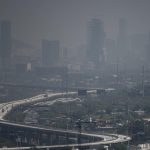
74 74
67 20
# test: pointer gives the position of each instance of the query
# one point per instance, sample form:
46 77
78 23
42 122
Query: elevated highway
100 139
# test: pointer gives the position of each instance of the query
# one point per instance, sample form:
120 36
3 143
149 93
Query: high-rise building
138 43
122 41
147 51
50 52
96 36
5 45
111 51
122 28
64 53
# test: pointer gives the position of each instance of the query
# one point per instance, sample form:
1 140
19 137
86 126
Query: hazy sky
66 20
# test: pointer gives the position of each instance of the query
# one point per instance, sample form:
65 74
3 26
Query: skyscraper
147 53
96 38
50 52
5 45
122 41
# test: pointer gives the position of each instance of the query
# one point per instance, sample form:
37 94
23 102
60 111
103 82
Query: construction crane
79 124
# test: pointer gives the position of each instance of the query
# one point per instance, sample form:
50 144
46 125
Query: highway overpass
98 139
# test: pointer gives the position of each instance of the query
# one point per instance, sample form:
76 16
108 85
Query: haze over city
74 74
66 20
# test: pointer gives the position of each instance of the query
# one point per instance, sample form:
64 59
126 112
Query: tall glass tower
5 45
96 38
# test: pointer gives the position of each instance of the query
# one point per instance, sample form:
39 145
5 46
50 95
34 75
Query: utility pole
66 97
115 100
128 145
79 124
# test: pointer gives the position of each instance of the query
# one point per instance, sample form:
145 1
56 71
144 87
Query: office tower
123 28
122 41
64 53
138 45
50 52
96 38
5 45
111 51
147 51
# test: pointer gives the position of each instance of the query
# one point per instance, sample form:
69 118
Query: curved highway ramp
100 139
